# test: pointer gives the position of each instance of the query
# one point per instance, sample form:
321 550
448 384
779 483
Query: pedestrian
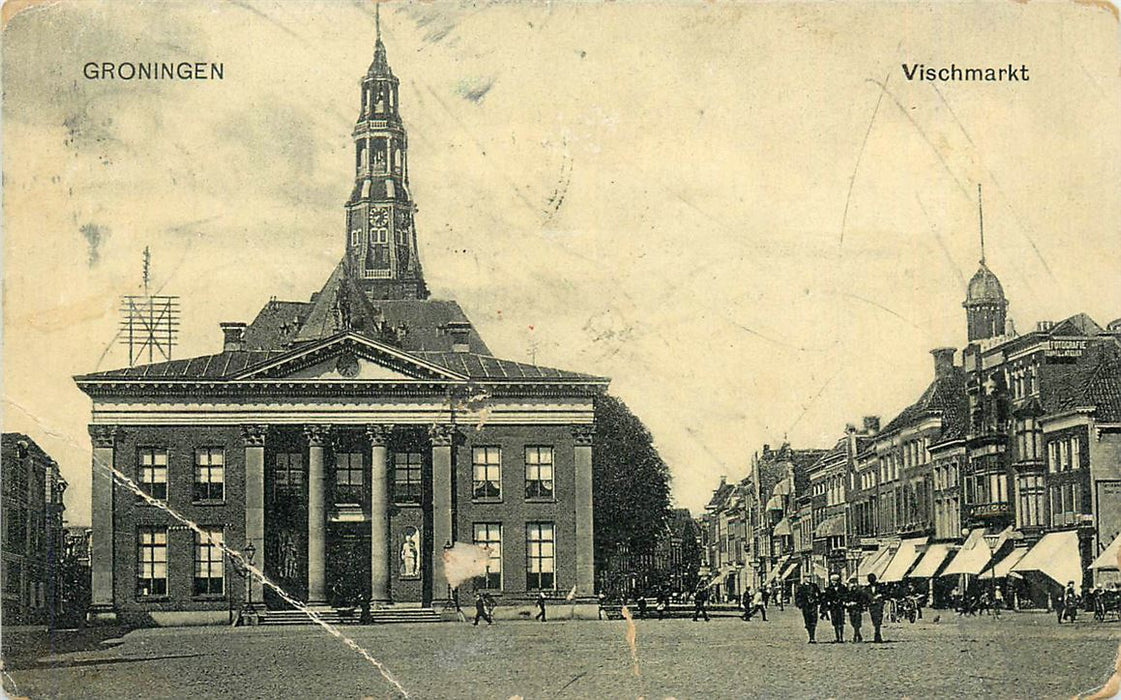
856 604
875 598
745 603
540 606
777 596
833 601
808 597
699 600
602 600
481 612
766 594
759 602
1068 607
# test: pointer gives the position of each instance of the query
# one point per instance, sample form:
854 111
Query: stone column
443 528
104 439
318 436
585 539
254 438
379 513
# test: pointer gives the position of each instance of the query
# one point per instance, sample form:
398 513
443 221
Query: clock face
379 217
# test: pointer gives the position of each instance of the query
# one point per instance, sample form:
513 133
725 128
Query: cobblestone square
1017 655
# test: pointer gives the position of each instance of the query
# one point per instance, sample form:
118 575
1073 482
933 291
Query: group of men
839 600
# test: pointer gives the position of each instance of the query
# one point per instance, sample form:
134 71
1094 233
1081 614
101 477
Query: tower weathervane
981 221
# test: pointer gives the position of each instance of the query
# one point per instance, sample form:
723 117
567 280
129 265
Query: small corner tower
381 249
986 309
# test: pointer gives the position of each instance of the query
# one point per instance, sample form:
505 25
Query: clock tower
381 250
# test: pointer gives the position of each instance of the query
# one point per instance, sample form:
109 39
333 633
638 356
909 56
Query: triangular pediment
350 357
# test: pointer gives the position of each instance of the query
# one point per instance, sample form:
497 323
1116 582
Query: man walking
808 597
875 596
856 604
540 606
833 601
699 600
481 612
745 601
1068 603
759 602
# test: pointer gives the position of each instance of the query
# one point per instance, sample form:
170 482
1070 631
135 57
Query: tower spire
981 221
377 19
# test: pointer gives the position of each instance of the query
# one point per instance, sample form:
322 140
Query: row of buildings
37 550
1006 472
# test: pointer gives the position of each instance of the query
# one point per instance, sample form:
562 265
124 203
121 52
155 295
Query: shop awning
905 557
784 487
871 562
931 561
1055 556
820 572
972 557
773 573
1002 567
783 528
1108 558
775 503
831 527
790 570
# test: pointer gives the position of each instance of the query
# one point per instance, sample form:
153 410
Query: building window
210 474
489 535
152 562
1031 505
406 477
539 473
486 482
355 237
540 557
288 474
153 472
1075 455
348 477
208 562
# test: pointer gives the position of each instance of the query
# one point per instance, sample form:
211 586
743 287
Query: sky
744 214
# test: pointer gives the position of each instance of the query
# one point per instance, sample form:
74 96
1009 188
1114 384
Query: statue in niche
410 554
289 557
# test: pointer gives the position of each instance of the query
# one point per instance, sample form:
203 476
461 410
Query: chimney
871 425
850 428
460 332
233 335
943 361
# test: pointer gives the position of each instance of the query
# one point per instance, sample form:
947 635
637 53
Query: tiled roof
946 396
228 364
1097 385
478 366
216 366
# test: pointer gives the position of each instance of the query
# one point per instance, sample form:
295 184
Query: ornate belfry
381 235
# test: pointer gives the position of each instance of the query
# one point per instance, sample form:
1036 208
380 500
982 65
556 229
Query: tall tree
631 482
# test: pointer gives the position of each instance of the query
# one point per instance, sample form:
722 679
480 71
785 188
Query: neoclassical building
350 439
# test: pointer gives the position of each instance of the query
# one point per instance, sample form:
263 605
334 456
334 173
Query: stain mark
556 199
576 678
631 636
859 156
476 89
95 235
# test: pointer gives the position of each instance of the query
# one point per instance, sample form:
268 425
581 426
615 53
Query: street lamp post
249 551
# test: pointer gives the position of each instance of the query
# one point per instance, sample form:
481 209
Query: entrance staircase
333 616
